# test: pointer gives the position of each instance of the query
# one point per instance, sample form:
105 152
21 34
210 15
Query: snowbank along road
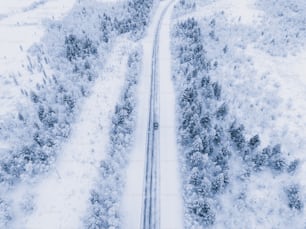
150 205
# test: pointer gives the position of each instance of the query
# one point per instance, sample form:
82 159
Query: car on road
155 125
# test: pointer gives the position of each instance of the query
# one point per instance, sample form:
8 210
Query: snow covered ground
255 50
58 199
21 27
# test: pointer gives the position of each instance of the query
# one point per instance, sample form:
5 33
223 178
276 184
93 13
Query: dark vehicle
155 125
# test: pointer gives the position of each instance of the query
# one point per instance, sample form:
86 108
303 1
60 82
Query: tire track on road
150 217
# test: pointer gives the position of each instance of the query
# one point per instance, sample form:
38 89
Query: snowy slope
21 27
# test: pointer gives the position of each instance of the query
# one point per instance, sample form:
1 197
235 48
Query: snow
171 204
133 193
269 88
290 83
58 199
61 198
19 30
14 6
242 9
263 82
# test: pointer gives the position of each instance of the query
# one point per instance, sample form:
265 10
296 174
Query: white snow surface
171 203
21 27
242 9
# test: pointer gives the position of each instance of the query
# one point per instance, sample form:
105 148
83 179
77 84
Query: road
152 187
150 211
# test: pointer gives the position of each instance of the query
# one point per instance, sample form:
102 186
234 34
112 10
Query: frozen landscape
152 114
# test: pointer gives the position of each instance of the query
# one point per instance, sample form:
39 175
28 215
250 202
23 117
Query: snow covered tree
293 197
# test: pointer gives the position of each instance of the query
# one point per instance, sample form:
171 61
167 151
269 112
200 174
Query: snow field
133 192
19 30
67 62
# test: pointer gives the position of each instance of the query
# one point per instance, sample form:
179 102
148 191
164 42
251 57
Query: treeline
132 19
208 137
105 198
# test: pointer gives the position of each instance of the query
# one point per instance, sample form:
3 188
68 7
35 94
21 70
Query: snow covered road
151 208
144 114
162 201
